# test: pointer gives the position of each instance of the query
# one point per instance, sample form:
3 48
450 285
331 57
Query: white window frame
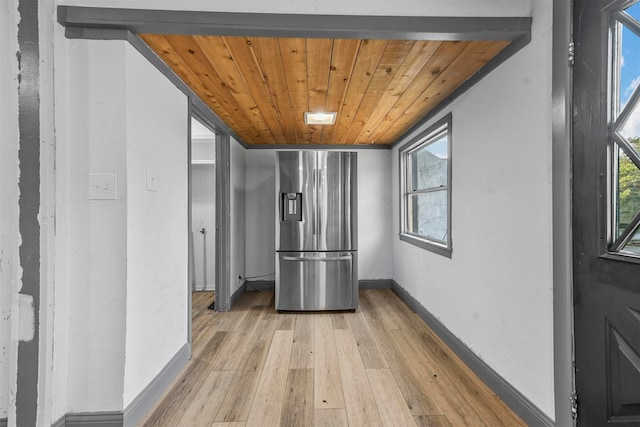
430 135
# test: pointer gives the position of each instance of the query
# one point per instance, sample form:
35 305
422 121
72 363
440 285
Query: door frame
562 94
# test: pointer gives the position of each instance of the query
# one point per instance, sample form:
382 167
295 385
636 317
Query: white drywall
157 119
374 213
237 188
203 214
121 265
9 262
495 293
92 249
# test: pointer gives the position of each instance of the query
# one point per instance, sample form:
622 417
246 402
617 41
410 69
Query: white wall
203 193
260 213
9 262
157 117
95 231
121 265
495 293
374 213
237 196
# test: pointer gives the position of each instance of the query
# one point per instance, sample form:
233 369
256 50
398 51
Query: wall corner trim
237 294
149 396
530 413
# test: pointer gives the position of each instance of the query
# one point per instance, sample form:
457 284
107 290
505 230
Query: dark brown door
606 211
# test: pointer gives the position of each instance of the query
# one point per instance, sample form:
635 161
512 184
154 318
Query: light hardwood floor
379 366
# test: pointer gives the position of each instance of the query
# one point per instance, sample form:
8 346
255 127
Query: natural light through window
624 138
426 166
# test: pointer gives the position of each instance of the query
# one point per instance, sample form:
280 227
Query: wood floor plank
237 403
302 350
418 397
370 352
267 403
392 407
359 400
327 385
239 341
172 407
432 421
324 374
297 409
340 320
330 418
238 424
208 400
261 341
449 398
238 400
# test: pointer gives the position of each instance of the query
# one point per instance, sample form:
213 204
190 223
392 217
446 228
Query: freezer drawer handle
340 258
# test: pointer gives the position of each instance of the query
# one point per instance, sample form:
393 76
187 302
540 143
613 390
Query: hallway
378 366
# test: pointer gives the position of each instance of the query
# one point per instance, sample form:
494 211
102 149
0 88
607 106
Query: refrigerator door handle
315 203
321 259
321 196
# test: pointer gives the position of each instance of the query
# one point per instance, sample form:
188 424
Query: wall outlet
239 280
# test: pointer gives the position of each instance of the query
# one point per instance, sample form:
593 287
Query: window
624 132
425 186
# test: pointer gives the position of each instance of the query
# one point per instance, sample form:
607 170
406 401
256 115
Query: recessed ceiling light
320 118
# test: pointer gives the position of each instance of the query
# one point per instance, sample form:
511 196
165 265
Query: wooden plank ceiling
262 86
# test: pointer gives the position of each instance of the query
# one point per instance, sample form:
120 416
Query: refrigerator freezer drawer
311 281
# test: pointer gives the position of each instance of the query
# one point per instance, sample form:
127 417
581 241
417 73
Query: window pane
631 128
633 246
628 197
634 11
427 215
429 165
629 73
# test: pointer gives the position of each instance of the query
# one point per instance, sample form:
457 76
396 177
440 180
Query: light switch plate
152 180
103 186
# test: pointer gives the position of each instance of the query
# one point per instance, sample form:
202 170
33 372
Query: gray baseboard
138 408
260 285
148 397
4 422
530 413
375 284
91 419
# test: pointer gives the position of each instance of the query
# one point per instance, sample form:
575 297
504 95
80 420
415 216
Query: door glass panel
633 246
628 195
629 73
427 215
626 173
634 11
631 128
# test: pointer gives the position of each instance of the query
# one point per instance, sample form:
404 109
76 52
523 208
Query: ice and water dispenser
292 206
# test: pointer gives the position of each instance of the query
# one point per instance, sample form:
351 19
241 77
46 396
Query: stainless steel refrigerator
316 230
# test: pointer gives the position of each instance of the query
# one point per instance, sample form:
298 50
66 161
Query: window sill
425 244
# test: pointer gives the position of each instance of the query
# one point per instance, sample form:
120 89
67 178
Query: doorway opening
203 209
